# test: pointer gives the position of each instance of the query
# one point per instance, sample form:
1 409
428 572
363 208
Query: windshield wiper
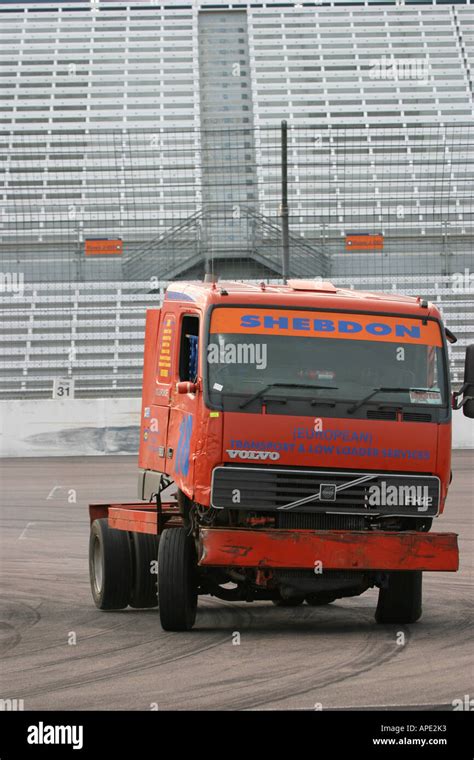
382 389
283 385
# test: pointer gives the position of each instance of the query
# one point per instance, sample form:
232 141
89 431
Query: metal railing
198 200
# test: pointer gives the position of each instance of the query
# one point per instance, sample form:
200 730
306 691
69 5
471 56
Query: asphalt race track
334 656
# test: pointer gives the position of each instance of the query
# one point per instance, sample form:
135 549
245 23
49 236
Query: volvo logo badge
327 492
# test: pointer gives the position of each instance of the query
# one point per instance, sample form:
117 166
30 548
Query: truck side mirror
468 386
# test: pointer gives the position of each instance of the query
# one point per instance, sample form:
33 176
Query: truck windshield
341 357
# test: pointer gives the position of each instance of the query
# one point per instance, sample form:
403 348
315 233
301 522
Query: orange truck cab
305 431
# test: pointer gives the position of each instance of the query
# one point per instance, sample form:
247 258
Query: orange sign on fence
361 242
103 247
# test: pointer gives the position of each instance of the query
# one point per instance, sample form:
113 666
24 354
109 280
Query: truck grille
359 493
319 521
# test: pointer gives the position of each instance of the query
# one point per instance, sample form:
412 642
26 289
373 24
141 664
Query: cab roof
297 294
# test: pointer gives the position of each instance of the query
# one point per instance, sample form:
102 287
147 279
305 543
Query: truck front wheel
400 601
177 580
110 566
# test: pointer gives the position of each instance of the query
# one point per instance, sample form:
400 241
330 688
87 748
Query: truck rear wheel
177 580
110 566
400 602
144 548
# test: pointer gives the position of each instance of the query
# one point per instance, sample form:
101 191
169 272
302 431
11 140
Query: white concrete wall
79 427
463 431
74 427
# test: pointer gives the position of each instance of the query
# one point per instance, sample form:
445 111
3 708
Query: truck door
184 408
155 412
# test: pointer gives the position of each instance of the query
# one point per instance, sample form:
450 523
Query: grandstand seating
106 112
158 123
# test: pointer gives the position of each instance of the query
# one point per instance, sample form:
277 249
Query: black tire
295 601
177 580
401 601
144 548
319 599
110 566
468 407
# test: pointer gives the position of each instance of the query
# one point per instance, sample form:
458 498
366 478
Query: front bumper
335 549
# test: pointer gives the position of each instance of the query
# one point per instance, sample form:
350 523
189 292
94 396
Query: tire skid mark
128 622
146 662
373 654
9 637
83 638
14 616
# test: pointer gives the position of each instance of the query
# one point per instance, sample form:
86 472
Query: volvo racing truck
304 434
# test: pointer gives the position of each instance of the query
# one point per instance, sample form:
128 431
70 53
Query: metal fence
391 201
94 224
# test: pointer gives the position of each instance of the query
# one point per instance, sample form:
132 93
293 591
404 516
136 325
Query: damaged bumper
336 550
